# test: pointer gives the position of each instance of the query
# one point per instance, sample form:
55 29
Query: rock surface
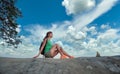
81 65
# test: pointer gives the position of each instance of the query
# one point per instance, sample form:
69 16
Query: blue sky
81 27
42 12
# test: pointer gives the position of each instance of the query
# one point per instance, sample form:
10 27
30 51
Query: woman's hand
36 56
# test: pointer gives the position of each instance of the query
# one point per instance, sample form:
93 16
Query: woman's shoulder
46 39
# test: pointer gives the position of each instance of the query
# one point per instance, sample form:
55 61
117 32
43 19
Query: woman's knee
56 45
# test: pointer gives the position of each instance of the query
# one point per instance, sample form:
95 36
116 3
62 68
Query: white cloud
75 34
78 6
18 28
24 50
77 46
109 35
93 30
82 20
104 26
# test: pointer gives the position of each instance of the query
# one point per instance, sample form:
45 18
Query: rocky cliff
81 65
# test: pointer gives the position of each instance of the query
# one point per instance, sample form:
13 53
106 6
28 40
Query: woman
50 50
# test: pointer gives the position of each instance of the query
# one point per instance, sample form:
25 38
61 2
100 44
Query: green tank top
48 46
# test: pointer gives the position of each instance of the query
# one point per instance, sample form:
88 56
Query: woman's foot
71 57
63 57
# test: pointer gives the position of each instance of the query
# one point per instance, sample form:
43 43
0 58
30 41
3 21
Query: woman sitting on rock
49 50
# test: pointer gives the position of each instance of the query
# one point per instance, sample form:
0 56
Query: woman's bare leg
55 49
65 53
55 53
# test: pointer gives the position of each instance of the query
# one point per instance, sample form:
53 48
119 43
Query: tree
8 25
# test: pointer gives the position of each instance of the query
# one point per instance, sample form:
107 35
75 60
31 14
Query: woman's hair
47 34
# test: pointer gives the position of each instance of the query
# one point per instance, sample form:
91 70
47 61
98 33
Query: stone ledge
81 65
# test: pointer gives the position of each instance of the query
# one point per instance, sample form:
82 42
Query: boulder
81 65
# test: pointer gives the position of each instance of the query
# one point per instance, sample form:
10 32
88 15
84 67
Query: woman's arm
40 49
